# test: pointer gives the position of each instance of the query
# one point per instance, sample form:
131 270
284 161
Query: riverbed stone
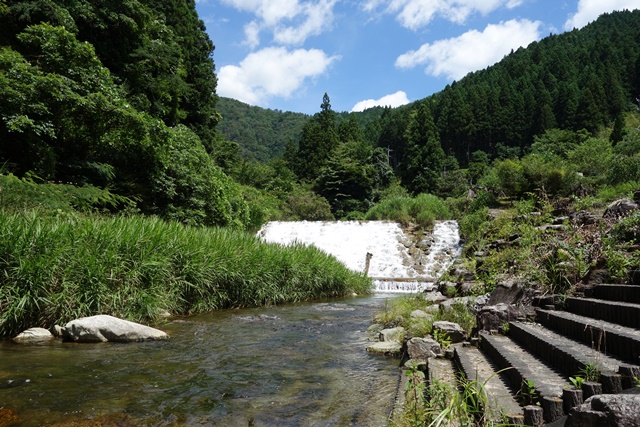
419 314
32 335
103 328
423 348
385 347
392 334
607 410
434 297
454 331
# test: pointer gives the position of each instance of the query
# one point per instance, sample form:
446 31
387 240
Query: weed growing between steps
441 404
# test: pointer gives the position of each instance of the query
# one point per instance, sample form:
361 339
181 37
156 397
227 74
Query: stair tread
605 302
548 381
603 324
477 367
579 351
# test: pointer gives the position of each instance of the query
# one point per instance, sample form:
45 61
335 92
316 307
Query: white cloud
291 21
473 50
394 100
252 34
318 18
589 10
415 14
271 72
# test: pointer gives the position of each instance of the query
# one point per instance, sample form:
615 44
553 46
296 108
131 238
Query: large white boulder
103 328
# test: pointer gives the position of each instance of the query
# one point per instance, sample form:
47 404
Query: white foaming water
350 241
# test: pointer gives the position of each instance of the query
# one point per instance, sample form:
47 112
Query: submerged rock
33 335
103 328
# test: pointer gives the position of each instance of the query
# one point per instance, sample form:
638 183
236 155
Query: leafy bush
423 210
305 205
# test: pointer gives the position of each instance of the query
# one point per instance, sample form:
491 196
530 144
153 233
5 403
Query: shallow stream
294 365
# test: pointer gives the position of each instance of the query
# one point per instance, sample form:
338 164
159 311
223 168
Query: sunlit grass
56 268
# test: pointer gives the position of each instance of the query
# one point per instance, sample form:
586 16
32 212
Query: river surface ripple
291 365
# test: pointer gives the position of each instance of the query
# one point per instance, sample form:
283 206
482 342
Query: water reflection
295 365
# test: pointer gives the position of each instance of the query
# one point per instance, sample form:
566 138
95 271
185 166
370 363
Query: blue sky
285 54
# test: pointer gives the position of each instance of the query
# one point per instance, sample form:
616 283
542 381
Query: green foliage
627 230
528 392
57 199
577 381
186 186
303 204
423 210
590 372
261 133
347 178
424 158
442 337
56 268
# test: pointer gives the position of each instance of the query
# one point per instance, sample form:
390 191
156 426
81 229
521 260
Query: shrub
423 210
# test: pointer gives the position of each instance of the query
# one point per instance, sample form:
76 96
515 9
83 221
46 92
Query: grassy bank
56 268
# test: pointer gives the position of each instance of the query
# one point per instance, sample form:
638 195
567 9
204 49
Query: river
291 365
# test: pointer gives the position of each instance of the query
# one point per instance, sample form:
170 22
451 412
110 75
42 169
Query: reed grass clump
56 268
422 210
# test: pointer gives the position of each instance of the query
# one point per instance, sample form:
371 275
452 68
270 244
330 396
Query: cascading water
399 262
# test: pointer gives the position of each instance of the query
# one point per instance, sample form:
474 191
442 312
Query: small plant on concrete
577 381
636 381
590 372
528 391
442 337
505 328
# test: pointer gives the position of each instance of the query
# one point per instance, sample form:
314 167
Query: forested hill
262 134
582 79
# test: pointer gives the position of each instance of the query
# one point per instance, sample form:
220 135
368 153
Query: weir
395 260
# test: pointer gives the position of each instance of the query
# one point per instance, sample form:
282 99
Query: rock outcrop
607 410
423 348
103 328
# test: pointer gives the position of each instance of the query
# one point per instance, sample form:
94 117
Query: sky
286 54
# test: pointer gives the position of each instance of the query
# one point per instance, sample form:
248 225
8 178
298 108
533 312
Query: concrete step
475 366
625 293
622 313
608 338
567 355
522 367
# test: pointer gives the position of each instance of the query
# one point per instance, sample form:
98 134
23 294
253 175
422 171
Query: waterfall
413 261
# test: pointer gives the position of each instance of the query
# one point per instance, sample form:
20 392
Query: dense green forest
121 96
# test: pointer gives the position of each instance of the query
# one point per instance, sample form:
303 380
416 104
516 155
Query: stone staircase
527 370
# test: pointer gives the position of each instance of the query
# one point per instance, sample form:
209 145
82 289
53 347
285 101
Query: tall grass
56 268
422 210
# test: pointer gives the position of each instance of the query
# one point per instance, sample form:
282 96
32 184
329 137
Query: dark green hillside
582 79
261 134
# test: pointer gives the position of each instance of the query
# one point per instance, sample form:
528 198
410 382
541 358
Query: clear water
295 365
292 365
